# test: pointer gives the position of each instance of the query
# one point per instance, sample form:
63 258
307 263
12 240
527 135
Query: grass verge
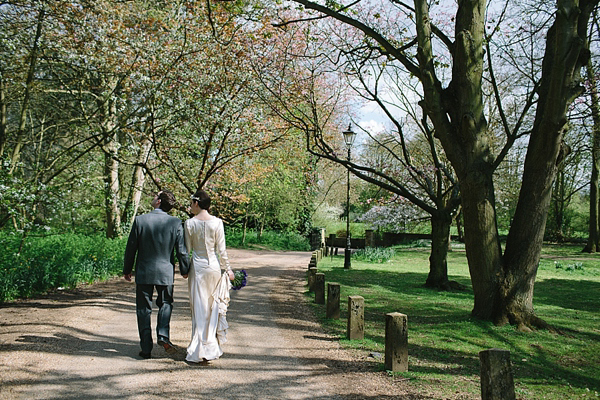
272 240
444 341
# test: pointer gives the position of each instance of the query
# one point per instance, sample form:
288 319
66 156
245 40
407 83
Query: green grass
269 239
444 341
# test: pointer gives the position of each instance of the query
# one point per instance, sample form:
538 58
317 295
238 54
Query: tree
571 178
593 243
122 96
304 89
502 283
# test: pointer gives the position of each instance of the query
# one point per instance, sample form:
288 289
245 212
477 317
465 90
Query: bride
208 289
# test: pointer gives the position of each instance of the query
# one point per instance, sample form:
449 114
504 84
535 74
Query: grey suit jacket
153 238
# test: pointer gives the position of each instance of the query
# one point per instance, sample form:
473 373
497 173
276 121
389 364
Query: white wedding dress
208 288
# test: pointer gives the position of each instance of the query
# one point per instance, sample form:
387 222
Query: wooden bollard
320 288
396 342
312 263
496 375
356 317
312 272
333 301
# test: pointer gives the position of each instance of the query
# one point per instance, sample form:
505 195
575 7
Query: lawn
444 341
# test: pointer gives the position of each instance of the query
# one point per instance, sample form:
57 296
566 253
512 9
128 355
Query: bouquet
240 279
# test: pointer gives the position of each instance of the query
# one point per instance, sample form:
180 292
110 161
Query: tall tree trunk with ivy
137 182
110 146
29 83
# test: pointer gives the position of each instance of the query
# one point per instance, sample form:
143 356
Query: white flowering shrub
395 218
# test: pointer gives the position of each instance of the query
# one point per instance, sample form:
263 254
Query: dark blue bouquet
240 279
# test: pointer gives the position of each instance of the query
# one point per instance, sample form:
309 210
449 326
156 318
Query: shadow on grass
445 339
568 293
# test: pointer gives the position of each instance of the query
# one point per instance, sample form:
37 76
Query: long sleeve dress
208 288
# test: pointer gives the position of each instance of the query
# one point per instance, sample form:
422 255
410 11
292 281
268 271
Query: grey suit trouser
143 303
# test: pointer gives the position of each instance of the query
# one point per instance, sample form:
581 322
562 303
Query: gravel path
84 344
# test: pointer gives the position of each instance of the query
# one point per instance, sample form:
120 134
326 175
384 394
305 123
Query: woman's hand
231 275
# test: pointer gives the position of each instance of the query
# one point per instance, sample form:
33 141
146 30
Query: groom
153 238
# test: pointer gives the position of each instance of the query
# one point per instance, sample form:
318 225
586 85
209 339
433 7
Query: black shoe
168 346
145 356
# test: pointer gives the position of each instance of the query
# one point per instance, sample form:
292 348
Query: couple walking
154 239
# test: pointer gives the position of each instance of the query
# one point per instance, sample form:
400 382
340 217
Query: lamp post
349 137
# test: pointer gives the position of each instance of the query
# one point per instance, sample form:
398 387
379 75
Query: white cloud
372 126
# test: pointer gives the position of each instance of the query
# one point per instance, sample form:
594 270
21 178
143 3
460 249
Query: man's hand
127 277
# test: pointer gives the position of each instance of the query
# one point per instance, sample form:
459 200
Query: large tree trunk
482 242
524 242
460 125
566 53
593 243
438 260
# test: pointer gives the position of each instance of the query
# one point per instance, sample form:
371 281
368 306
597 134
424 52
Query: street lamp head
349 136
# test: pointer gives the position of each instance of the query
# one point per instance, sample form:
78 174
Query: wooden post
356 317
396 342
320 288
333 301
496 375
312 272
313 261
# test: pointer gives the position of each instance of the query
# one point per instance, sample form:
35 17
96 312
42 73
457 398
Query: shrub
375 254
47 263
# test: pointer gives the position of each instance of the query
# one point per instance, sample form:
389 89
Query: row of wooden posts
495 368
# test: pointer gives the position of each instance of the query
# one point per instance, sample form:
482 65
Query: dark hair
167 200
202 198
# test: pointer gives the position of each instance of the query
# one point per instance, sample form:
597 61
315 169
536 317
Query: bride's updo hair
202 198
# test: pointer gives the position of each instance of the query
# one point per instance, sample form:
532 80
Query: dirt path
84 344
